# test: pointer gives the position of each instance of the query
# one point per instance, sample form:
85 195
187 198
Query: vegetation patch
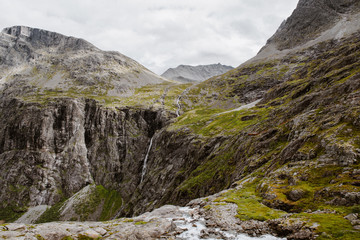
213 122
51 214
249 204
108 201
140 223
213 174
11 213
331 226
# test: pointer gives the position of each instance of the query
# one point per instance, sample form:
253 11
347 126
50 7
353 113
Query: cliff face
51 152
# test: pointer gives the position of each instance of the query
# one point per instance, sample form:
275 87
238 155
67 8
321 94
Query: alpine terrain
188 74
109 150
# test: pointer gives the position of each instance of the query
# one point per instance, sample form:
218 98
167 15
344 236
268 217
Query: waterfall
178 105
178 102
145 160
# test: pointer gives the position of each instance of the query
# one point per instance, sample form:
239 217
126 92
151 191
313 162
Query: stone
100 230
91 233
353 218
15 227
295 195
357 227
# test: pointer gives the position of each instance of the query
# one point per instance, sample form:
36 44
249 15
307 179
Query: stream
178 102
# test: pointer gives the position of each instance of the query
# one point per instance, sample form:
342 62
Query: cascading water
145 160
178 102
178 105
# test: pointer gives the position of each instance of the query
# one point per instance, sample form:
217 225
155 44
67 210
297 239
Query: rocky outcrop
186 73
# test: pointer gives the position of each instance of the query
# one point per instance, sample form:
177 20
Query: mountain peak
187 73
39 38
312 22
310 19
40 59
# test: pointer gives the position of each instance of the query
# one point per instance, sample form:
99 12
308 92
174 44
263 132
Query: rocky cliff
186 73
272 147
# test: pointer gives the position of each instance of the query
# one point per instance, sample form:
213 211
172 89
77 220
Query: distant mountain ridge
33 59
187 73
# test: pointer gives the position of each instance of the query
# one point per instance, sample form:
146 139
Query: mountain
313 22
186 73
34 60
270 147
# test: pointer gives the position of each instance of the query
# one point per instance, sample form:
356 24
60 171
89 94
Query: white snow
247 106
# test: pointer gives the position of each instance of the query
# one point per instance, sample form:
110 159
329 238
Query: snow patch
247 106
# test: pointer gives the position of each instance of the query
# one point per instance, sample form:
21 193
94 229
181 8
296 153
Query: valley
270 148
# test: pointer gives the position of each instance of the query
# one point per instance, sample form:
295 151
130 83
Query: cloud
159 33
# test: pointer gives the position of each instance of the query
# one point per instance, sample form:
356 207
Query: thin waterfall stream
145 160
178 102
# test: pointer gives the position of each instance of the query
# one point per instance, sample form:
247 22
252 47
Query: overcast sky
159 33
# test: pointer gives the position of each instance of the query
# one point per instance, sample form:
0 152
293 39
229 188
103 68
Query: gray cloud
159 33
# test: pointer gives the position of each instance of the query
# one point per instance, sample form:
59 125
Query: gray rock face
39 38
186 73
309 19
39 60
53 152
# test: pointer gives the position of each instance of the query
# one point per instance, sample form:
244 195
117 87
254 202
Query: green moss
249 204
331 226
108 201
207 207
141 223
145 96
219 167
39 237
11 213
51 214
212 122
84 237
330 178
128 220
67 238
112 203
